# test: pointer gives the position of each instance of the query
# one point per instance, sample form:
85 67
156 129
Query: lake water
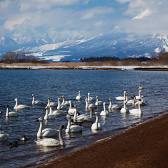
54 83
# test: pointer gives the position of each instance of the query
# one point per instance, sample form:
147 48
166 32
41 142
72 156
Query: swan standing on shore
78 97
19 106
51 142
34 102
96 125
72 128
11 113
104 112
47 132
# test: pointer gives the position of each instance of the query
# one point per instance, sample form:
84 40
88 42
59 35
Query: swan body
136 110
78 97
47 132
104 112
112 107
19 106
121 98
71 110
72 128
124 109
34 102
96 125
11 113
51 142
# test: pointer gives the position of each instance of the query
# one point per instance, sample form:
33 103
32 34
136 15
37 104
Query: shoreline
143 145
80 66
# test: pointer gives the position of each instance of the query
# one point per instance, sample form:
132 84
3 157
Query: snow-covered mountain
117 44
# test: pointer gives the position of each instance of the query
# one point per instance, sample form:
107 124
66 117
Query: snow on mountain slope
114 44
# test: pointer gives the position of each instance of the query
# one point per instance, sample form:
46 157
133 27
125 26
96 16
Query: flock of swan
50 137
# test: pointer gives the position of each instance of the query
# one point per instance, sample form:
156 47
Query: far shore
143 146
82 66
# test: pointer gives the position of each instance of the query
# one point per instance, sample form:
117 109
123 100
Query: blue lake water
54 83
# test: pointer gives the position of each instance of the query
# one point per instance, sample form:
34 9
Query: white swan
136 111
89 105
72 128
64 102
83 117
90 98
104 112
11 113
3 136
124 109
71 110
96 125
139 95
98 102
49 103
122 98
34 102
78 97
19 106
47 132
51 142
49 114
113 107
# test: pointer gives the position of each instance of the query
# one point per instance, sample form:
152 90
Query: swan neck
50 110
39 133
7 112
75 116
46 115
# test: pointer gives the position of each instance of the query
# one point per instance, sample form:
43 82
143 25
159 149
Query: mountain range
120 45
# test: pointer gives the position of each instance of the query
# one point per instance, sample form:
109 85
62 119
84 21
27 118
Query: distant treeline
101 59
19 57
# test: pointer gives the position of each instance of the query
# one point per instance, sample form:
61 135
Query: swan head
40 119
16 99
68 117
32 95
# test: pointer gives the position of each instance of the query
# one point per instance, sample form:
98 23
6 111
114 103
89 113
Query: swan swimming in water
78 97
19 106
51 142
89 98
136 111
47 132
124 109
34 102
98 102
72 128
11 113
113 107
96 125
122 98
104 112
71 110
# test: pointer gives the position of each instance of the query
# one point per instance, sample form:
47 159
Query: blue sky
74 19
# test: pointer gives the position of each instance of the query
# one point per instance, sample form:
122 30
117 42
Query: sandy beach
144 146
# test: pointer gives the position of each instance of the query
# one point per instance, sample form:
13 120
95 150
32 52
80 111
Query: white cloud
143 14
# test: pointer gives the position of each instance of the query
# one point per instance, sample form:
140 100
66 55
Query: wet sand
144 146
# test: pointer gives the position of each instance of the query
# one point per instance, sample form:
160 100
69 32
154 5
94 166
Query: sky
74 19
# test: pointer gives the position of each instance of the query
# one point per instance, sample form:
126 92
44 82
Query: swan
64 103
121 98
47 132
3 136
104 112
51 142
136 110
34 102
96 125
72 128
71 110
124 109
19 106
49 114
50 103
112 107
83 117
131 102
88 105
56 112
90 98
78 97
98 102
11 113
139 95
